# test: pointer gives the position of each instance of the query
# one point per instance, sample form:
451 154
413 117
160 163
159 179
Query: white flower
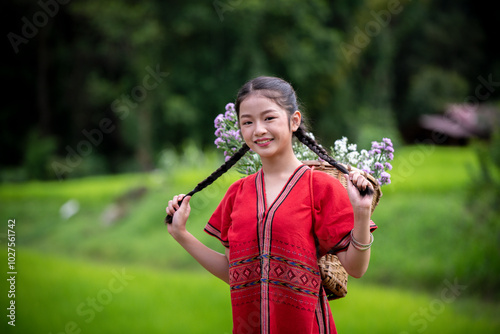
341 146
352 158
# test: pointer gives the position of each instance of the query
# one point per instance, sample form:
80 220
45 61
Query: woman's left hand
356 182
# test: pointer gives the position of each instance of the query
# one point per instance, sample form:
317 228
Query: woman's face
266 127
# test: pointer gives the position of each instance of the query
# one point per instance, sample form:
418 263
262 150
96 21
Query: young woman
276 223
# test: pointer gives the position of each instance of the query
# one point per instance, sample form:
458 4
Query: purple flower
385 178
227 158
218 142
230 106
229 115
378 166
384 181
218 120
218 132
388 166
229 135
387 141
233 134
367 170
390 156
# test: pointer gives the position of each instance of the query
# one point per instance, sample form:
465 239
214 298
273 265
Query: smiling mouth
263 142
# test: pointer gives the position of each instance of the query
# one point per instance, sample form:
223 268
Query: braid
323 154
215 175
316 148
221 170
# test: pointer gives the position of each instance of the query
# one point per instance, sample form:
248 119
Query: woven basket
329 169
333 274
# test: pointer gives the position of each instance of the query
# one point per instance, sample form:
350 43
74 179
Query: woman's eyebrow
261 113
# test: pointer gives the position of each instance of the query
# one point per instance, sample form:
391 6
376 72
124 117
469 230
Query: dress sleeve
333 214
220 221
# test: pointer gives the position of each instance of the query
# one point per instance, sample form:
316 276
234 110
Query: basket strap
312 193
316 241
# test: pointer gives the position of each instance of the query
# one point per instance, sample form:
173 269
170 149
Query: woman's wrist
362 215
361 228
179 234
361 246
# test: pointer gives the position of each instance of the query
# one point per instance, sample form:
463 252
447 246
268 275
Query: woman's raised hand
356 182
179 213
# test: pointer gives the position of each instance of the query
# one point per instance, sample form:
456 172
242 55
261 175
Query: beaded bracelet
359 246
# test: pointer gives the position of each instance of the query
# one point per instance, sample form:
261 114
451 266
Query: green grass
432 169
94 188
140 236
426 237
371 308
55 293
426 231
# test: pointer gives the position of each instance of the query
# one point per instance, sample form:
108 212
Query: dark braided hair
215 175
283 94
302 136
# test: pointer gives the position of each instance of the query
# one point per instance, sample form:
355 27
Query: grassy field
69 268
66 295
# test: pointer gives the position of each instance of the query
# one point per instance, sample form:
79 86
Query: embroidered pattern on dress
264 229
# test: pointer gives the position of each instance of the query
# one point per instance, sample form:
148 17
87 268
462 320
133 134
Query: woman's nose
260 129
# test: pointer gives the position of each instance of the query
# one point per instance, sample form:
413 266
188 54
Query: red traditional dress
273 272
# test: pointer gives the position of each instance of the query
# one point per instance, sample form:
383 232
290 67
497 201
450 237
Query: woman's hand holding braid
214 262
180 214
356 182
355 261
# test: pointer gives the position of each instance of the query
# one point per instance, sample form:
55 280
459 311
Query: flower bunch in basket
375 161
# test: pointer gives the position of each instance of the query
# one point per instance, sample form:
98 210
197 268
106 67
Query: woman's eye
247 123
270 118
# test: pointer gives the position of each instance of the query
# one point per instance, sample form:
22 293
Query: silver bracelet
359 246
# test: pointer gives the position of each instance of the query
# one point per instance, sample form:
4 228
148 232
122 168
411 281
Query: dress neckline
264 195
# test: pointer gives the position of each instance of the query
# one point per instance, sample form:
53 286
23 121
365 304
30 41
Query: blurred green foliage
160 71
483 204
431 90
37 156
